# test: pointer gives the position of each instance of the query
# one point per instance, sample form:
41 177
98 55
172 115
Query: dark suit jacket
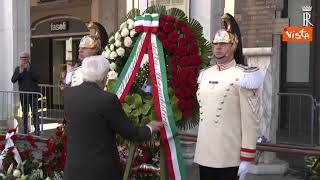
94 117
27 80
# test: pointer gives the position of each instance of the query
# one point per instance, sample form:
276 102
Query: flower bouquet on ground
155 60
26 157
146 163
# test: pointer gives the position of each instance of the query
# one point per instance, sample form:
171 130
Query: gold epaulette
247 69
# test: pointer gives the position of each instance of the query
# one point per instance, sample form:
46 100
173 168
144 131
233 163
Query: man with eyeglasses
28 77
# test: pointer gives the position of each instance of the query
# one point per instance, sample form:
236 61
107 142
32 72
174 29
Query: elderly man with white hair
28 77
94 117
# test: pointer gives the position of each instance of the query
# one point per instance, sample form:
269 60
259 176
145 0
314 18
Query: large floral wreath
186 52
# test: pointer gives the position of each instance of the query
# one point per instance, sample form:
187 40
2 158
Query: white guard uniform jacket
229 103
74 77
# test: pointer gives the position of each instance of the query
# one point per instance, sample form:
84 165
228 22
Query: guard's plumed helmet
98 36
90 41
230 34
223 36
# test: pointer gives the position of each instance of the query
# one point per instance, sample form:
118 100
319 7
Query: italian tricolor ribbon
147 42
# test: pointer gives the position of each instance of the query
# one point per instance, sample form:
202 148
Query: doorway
299 77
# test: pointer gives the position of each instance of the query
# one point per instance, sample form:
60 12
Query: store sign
59 26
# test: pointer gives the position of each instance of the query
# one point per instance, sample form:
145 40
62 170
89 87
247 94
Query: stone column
15 37
208 13
261 57
108 13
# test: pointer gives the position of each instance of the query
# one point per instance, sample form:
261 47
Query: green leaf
156 9
127 109
195 27
145 120
136 112
178 13
145 108
205 52
177 115
148 101
153 115
111 84
170 91
137 100
174 101
131 14
135 120
129 100
133 100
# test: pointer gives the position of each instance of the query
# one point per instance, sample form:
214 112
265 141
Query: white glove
243 169
68 78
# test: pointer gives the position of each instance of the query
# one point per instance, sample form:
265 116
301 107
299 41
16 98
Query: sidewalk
193 174
271 177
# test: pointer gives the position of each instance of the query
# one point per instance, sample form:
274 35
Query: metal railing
297 123
20 105
271 147
53 102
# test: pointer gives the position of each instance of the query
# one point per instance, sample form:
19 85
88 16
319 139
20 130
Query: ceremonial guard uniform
228 97
228 115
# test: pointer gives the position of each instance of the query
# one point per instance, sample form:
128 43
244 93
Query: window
298 54
142 5
181 4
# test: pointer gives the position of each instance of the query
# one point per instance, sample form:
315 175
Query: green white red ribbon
147 42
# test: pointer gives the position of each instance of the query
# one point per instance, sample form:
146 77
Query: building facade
51 30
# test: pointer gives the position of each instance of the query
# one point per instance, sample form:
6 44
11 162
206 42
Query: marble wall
261 57
15 34
267 59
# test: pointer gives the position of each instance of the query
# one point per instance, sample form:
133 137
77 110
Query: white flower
117 43
130 21
130 26
106 48
117 36
124 32
127 42
120 51
113 55
107 53
123 25
113 66
48 178
111 39
16 173
112 75
132 33
111 47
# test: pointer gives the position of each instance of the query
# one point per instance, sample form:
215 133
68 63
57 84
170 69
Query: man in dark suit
94 117
27 76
